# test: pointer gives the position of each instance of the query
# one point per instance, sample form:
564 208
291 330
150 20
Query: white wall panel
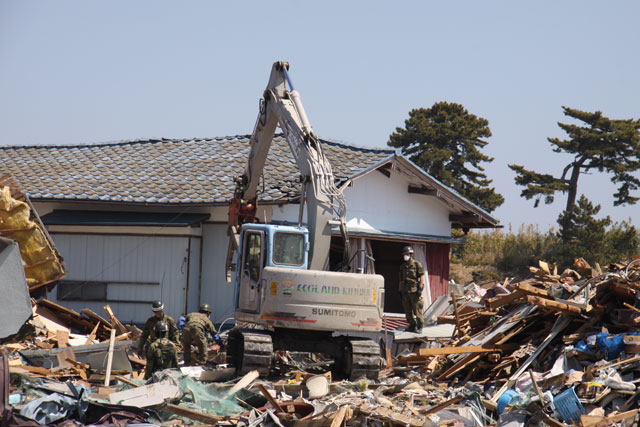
128 260
376 202
214 288
380 203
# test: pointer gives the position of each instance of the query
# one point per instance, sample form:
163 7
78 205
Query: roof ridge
331 141
151 140
156 140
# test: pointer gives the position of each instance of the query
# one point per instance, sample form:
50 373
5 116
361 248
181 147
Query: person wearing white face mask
411 286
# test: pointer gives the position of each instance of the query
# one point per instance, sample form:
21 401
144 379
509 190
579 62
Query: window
288 249
252 255
124 292
71 290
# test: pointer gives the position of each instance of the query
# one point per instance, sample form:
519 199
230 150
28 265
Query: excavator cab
266 245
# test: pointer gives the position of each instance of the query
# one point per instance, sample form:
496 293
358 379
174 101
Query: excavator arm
282 106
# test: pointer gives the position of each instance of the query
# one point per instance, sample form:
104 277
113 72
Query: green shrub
497 254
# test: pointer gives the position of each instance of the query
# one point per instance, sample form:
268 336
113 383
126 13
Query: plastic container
318 386
508 397
568 406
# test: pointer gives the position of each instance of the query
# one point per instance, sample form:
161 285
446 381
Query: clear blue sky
75 72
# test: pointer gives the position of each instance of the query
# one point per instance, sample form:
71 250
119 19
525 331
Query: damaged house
142 220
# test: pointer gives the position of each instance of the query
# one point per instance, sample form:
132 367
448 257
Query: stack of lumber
584 320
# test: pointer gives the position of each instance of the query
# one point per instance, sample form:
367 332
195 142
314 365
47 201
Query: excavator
283 287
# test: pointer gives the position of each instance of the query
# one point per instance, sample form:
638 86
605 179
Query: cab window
253 255
288 249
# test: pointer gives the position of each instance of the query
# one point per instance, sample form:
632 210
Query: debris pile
554 349
21 223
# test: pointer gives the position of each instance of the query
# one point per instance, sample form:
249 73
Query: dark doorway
388 257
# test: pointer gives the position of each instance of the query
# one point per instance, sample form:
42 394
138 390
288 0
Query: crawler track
250 349
362 359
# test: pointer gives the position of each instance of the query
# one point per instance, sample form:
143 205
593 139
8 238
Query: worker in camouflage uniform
411 286
148 334
162 353
195 332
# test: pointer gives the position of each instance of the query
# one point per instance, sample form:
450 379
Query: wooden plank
466 349
340 417
622 362
450 320
126 380
137 360
611 419
244 382
461 364
56 308
92 336
536 388
51 320
94 316
80 372
112 341
553 305
62 357
532 290
454 301
441 406
123 337
115 323
630 402
466 360
277 408
77 364
394 418
192 414
37 370
63 338
502 300
135 331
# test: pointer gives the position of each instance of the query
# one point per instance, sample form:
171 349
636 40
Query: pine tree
582 235
605 145
445 140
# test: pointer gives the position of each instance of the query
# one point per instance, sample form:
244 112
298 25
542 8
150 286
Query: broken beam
498 302
442 405
553 305
465 349
191 414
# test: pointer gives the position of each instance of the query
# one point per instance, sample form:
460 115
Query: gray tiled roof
165 171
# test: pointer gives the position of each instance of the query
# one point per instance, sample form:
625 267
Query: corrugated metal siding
127 260
214 288
194 275
438 268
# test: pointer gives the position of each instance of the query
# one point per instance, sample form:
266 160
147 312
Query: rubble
554 349
20 222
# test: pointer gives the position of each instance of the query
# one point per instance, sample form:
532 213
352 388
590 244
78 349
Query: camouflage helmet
205 308
162 328
407 250
157 306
